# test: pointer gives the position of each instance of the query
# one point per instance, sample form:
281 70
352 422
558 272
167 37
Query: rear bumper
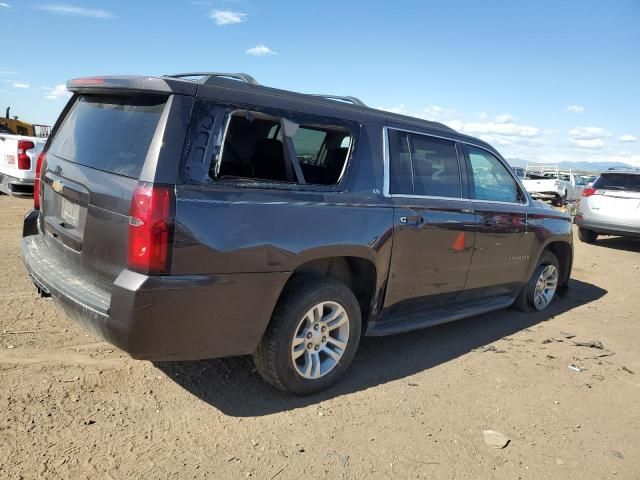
16 186
162 317
608 228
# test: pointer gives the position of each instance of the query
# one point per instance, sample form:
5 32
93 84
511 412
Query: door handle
412 220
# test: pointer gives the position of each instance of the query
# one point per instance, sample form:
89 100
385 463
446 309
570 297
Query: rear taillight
36 182
587 192
24 161
150 229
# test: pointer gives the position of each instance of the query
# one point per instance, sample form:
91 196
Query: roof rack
243 77
348 99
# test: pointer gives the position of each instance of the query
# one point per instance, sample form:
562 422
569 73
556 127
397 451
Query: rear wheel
312 338
541 288
587 236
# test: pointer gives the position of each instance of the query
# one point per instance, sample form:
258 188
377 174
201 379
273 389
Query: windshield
618 181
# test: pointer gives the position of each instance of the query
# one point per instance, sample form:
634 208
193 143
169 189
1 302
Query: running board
417 320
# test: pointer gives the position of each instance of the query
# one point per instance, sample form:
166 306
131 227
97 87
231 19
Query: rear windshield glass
109 133
618 181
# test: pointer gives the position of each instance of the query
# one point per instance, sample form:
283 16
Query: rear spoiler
132 84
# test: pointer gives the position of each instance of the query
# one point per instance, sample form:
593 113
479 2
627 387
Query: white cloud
7 72
433 112
20 85
513 140
437 113
628 138
589 133
505 128
575 109
59 91
497 130
261 50
400 109
227 17
590 144
504 118
5 5
74 11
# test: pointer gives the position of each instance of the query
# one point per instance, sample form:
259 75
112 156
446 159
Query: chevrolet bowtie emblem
57 186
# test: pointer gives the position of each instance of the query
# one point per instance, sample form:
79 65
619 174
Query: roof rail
243 77
348 99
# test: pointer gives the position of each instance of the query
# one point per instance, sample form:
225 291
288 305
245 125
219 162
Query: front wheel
312 338
541 288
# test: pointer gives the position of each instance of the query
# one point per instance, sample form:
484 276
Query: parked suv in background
204 215
611 206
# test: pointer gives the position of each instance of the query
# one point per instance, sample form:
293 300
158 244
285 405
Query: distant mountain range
595 167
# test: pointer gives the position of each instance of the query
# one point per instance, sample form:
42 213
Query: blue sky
541 80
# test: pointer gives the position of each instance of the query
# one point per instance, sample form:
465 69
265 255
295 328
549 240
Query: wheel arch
563 251
358 273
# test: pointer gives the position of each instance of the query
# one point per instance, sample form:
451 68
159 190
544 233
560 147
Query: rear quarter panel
230 231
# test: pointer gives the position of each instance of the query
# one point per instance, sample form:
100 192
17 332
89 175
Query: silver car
611 206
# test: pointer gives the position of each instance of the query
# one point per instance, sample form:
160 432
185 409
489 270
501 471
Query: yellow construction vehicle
18 127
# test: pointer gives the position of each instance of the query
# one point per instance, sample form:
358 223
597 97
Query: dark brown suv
204 215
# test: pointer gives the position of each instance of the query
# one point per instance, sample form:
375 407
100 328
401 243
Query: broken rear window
255 147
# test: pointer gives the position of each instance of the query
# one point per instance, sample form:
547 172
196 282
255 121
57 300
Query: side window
435 167
400 176
254 148
491 179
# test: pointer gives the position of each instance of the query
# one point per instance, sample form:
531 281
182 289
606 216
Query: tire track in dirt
75 359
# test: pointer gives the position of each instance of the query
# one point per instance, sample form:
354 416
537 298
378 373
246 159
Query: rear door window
423 165
110 133
618 181
436 171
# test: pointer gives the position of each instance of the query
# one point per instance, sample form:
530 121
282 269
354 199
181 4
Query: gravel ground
412 406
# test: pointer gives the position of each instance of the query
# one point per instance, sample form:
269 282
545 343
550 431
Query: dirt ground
412 406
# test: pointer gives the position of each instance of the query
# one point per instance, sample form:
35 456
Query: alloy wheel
320 340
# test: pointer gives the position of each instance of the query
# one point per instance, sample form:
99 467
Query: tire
526 300
587 236
291 320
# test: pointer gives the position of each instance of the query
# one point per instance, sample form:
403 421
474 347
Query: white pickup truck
18 158
547 182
